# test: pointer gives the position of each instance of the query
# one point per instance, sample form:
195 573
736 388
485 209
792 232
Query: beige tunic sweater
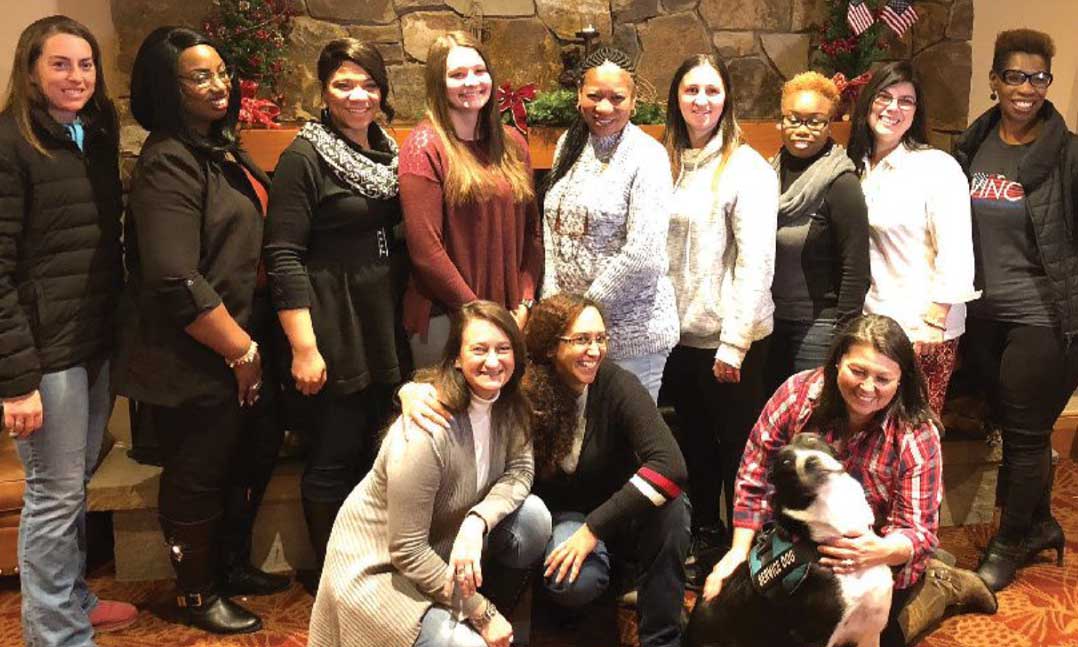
387 557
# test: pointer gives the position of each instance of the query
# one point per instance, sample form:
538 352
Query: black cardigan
624 437
1049 176
193 242
60 254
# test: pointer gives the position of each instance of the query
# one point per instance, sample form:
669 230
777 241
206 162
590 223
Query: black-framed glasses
583 340
884 99
814 123
204 78
1040 79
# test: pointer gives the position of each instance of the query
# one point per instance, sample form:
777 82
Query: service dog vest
779 563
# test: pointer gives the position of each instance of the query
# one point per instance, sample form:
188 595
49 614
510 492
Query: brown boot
941 588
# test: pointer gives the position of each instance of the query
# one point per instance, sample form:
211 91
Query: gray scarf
806 194
366 177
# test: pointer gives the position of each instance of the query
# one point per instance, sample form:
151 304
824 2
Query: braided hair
577 135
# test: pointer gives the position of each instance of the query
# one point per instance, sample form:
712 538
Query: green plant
252 34
558 108
842 51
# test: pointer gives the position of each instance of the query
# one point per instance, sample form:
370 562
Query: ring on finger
847 562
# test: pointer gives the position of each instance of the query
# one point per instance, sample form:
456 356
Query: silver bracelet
246 358
484 619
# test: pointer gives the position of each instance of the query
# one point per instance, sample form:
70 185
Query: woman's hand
726 373
569 556
845 555
464 560
722 570
308 370
498 632
420 406
249 380
23 415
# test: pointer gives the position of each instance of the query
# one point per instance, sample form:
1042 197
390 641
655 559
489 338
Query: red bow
254 110
514 101
850 89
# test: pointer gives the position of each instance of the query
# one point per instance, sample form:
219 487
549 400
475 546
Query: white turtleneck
479 417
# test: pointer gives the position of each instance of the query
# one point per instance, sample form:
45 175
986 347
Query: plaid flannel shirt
899 468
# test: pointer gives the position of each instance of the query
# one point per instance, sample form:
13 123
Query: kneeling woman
870 402
411 543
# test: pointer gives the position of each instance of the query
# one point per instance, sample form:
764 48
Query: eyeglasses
582 341
813 123
1018 77
204 78
883 99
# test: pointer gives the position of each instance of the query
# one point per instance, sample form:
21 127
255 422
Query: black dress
340 254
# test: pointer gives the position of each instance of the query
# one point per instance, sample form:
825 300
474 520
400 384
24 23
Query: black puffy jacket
60 256
1049 176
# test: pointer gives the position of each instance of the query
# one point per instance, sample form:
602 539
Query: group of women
518 443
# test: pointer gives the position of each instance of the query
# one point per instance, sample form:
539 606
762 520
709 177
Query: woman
869 402
407 552
605 218
821 251
194 234
1023 168
920 248
721 246
337 272
465 178
606 466
60 274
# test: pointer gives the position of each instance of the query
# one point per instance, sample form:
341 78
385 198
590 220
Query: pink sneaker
110 615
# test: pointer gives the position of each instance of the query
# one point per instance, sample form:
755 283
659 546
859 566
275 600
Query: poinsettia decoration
253 35
255 111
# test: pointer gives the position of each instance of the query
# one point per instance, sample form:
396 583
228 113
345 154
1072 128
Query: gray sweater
387 557
604 233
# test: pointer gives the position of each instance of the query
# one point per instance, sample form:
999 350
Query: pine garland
558 108
841 51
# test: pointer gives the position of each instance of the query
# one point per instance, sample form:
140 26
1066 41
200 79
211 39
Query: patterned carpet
1039 610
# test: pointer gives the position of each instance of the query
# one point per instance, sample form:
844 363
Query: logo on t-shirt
995 187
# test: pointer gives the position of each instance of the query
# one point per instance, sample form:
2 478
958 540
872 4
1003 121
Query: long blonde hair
23 94
468 179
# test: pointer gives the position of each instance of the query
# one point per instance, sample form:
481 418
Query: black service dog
781 596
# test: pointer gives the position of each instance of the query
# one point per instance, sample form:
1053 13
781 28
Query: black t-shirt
1016 288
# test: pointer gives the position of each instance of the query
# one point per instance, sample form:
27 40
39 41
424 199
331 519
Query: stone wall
763 41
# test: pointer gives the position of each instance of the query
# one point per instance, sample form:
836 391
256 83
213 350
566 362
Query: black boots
237 575
192 549
1002 559
320 516
1046 534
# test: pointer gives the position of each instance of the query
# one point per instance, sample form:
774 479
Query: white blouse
479 417
920 239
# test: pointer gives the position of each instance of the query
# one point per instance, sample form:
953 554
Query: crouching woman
444 511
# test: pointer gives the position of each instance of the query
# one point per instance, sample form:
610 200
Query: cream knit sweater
721 247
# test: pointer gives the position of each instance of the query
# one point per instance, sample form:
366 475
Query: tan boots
941 588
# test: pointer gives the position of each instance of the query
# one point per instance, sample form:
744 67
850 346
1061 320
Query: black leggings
713 422
1028 373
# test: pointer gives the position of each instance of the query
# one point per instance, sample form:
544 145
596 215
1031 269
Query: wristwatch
484 619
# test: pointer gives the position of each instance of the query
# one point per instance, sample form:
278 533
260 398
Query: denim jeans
516 543
658 542
797 346
58 459
648 369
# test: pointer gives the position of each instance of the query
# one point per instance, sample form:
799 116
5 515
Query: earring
993 96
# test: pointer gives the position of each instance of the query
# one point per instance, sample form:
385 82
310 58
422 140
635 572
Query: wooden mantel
265 146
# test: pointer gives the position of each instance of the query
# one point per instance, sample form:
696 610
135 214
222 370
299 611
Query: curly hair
553 402
1028 41
812 82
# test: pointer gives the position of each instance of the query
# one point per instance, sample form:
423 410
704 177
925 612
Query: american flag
859 16
899 15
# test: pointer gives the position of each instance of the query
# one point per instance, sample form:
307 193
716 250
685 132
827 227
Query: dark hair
909 407
23 94
511 410
576 137
676 137
554 410
338 51
156 99
862 141
1028 41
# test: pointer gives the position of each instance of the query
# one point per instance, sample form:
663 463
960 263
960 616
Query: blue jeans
648 369
58 459
659 540
797 346
515 544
